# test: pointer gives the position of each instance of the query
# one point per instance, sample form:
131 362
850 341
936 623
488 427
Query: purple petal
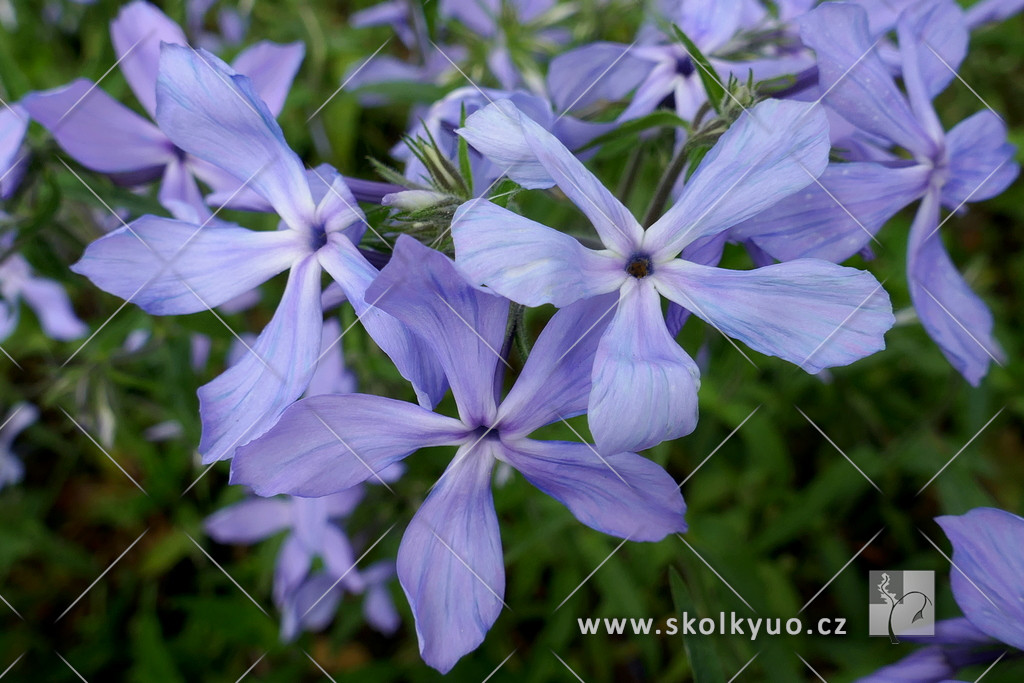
938 35
325 444
414 357
836 219
810 312
645 385
464 326
988 11
988 562
52 306
981 162
617 227
310 606
495 131
249 521
858 84
450 562
331 375
378 607
97 131
137 33
20 416
214 113
526 261
13 126
770 152
954 316
555 382
293 564
508 136
246 400
595 73
180 194
169 267
336 208
624 494
271 67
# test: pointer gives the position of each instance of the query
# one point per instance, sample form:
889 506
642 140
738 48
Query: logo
901 603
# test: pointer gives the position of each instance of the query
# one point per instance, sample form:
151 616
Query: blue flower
104 135
809 312
971 162
171 267
450 561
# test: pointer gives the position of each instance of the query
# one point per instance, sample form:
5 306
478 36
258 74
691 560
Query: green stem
664 190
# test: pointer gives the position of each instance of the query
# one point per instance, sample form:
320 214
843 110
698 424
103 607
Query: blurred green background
777 511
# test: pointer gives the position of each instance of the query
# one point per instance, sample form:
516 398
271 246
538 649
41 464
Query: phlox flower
450 560
106 136
47 298
971 162
171 267
308 599
988 586
809 312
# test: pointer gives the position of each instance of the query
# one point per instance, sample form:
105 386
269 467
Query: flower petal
501 127
645 385
271 67
52 306
210 111
249 521
97 131
414 357
325 444
528 262
624 494
170 267
248 398
857 83
555 382
981 161
595 73
953 315
450 563
836 219
772 150
136 34
464 326
988 561
810 312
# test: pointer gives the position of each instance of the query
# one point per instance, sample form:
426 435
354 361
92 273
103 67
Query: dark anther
639 266
318 238
684 65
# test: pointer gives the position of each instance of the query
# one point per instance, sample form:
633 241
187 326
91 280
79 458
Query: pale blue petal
810 312
210 111
645 385
450 563
770 152
623 494
169 267
247 399
528 262
325 444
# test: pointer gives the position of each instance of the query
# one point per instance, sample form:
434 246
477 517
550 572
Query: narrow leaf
700 650
712 83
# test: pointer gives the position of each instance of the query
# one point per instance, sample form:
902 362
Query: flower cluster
796 132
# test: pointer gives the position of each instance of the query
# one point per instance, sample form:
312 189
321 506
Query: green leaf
699 649
712 83
464 166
